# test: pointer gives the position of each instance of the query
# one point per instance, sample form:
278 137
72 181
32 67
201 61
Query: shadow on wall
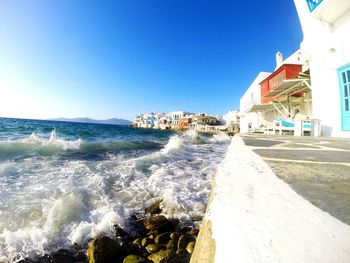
326 131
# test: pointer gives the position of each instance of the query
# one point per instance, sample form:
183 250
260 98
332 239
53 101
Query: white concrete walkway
257 217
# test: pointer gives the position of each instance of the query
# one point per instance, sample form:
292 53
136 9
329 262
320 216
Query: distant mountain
113 121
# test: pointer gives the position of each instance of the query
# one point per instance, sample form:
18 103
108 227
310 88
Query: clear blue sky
102 59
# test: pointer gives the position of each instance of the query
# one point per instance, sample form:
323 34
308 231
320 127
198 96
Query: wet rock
175 235
154 208
135 259
186 229
153 232
137 241
172 244
164 256
182 243
196 218
174 222
162 238
62 256
152 236
80 256
104 250
152 248
156 222
145 241
135 223
183 255
120 232
190 247
45 259
132 249
78 253
174 238
27 260
193 232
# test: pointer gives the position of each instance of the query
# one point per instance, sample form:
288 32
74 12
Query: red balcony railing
286 71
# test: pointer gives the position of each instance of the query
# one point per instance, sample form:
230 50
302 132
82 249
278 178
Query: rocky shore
149 238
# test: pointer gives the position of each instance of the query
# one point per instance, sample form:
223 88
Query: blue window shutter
344 85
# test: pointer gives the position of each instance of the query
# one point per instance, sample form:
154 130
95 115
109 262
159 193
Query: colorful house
284 94
185 123
176 117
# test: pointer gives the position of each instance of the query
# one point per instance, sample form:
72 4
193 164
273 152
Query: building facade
231 118
251 120
326 29
176 117
284 94
179 120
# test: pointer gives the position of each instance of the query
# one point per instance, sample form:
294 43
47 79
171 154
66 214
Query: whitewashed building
283 95
251 120
230 118
326 29
176 118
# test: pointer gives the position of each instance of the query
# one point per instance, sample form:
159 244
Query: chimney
279 59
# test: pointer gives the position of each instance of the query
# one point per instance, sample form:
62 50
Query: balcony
276 79
328 10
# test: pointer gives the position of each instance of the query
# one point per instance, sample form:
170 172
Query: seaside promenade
317 168
279 199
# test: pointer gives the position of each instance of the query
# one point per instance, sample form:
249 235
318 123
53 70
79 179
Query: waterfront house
251 120
179 120
137 121
204 123
283 95
230 118
144 121
230 122
164 124
157 120
185 122
150 120
326 30
176 117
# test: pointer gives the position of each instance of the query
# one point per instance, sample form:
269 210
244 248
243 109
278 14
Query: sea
64 183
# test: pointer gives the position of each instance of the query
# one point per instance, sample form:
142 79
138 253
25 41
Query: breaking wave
48 201
35 145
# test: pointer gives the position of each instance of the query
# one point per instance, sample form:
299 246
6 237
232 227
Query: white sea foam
54 140
173 146
101 222
221 137
25 242
190 135
64 211
34 138
63 201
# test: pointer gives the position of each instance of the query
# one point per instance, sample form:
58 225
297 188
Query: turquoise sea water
62 183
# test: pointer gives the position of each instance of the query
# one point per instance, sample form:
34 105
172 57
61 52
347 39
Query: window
344 85
312 4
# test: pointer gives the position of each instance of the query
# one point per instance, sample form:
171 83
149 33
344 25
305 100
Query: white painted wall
327 42
231 117
297 58
251 97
